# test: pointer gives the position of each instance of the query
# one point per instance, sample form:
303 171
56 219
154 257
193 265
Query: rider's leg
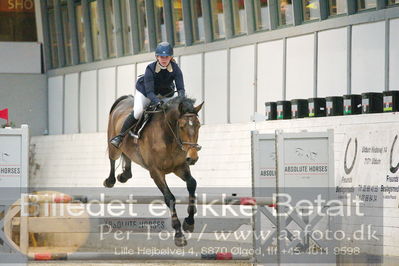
129 122
140 102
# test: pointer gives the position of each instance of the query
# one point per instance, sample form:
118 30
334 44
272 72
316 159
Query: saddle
144 119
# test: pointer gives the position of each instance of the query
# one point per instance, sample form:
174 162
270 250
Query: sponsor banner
369 165
306 162
135 224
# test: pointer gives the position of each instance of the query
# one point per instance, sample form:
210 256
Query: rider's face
164 60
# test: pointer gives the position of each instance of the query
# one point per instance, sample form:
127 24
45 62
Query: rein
177 135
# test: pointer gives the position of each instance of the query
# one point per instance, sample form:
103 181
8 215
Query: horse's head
187 128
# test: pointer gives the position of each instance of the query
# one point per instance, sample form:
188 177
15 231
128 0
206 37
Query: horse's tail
118 101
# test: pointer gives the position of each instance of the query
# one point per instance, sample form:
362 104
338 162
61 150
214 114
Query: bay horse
168 144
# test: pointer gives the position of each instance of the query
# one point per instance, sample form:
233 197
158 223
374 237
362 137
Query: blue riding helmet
164 49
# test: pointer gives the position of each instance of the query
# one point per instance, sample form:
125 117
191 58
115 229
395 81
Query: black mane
186 104
119 100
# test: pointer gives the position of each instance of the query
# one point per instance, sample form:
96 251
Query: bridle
181 143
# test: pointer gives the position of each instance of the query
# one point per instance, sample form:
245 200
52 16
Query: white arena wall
76 160
20 58
236 82
80 160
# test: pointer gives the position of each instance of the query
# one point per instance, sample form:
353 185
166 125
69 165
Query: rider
155 85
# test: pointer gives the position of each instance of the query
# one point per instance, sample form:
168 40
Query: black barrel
317 107
335 105
371 102
352 104
299 108
391 101
271 110
283 110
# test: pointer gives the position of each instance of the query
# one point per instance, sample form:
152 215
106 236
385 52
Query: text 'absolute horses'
168 144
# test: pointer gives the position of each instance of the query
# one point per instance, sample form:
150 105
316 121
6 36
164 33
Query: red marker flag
4 114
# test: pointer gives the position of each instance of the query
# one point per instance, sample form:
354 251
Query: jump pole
113 256
106 199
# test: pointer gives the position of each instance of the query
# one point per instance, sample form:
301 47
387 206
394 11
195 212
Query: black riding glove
159 104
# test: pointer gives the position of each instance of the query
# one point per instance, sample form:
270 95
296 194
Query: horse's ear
198 108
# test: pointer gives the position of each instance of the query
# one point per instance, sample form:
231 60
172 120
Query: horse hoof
188 227
180 241
108 184
121 178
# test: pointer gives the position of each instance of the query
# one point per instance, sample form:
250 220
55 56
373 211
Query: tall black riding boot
129 122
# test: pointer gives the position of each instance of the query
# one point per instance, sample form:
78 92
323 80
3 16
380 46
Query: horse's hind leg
170 201
127 169
185 174
110 181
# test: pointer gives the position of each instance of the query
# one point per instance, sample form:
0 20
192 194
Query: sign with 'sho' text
17 6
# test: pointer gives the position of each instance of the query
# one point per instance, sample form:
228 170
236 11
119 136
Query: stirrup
134 135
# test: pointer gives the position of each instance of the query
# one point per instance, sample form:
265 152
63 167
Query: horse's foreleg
191 184
170 201
110 181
